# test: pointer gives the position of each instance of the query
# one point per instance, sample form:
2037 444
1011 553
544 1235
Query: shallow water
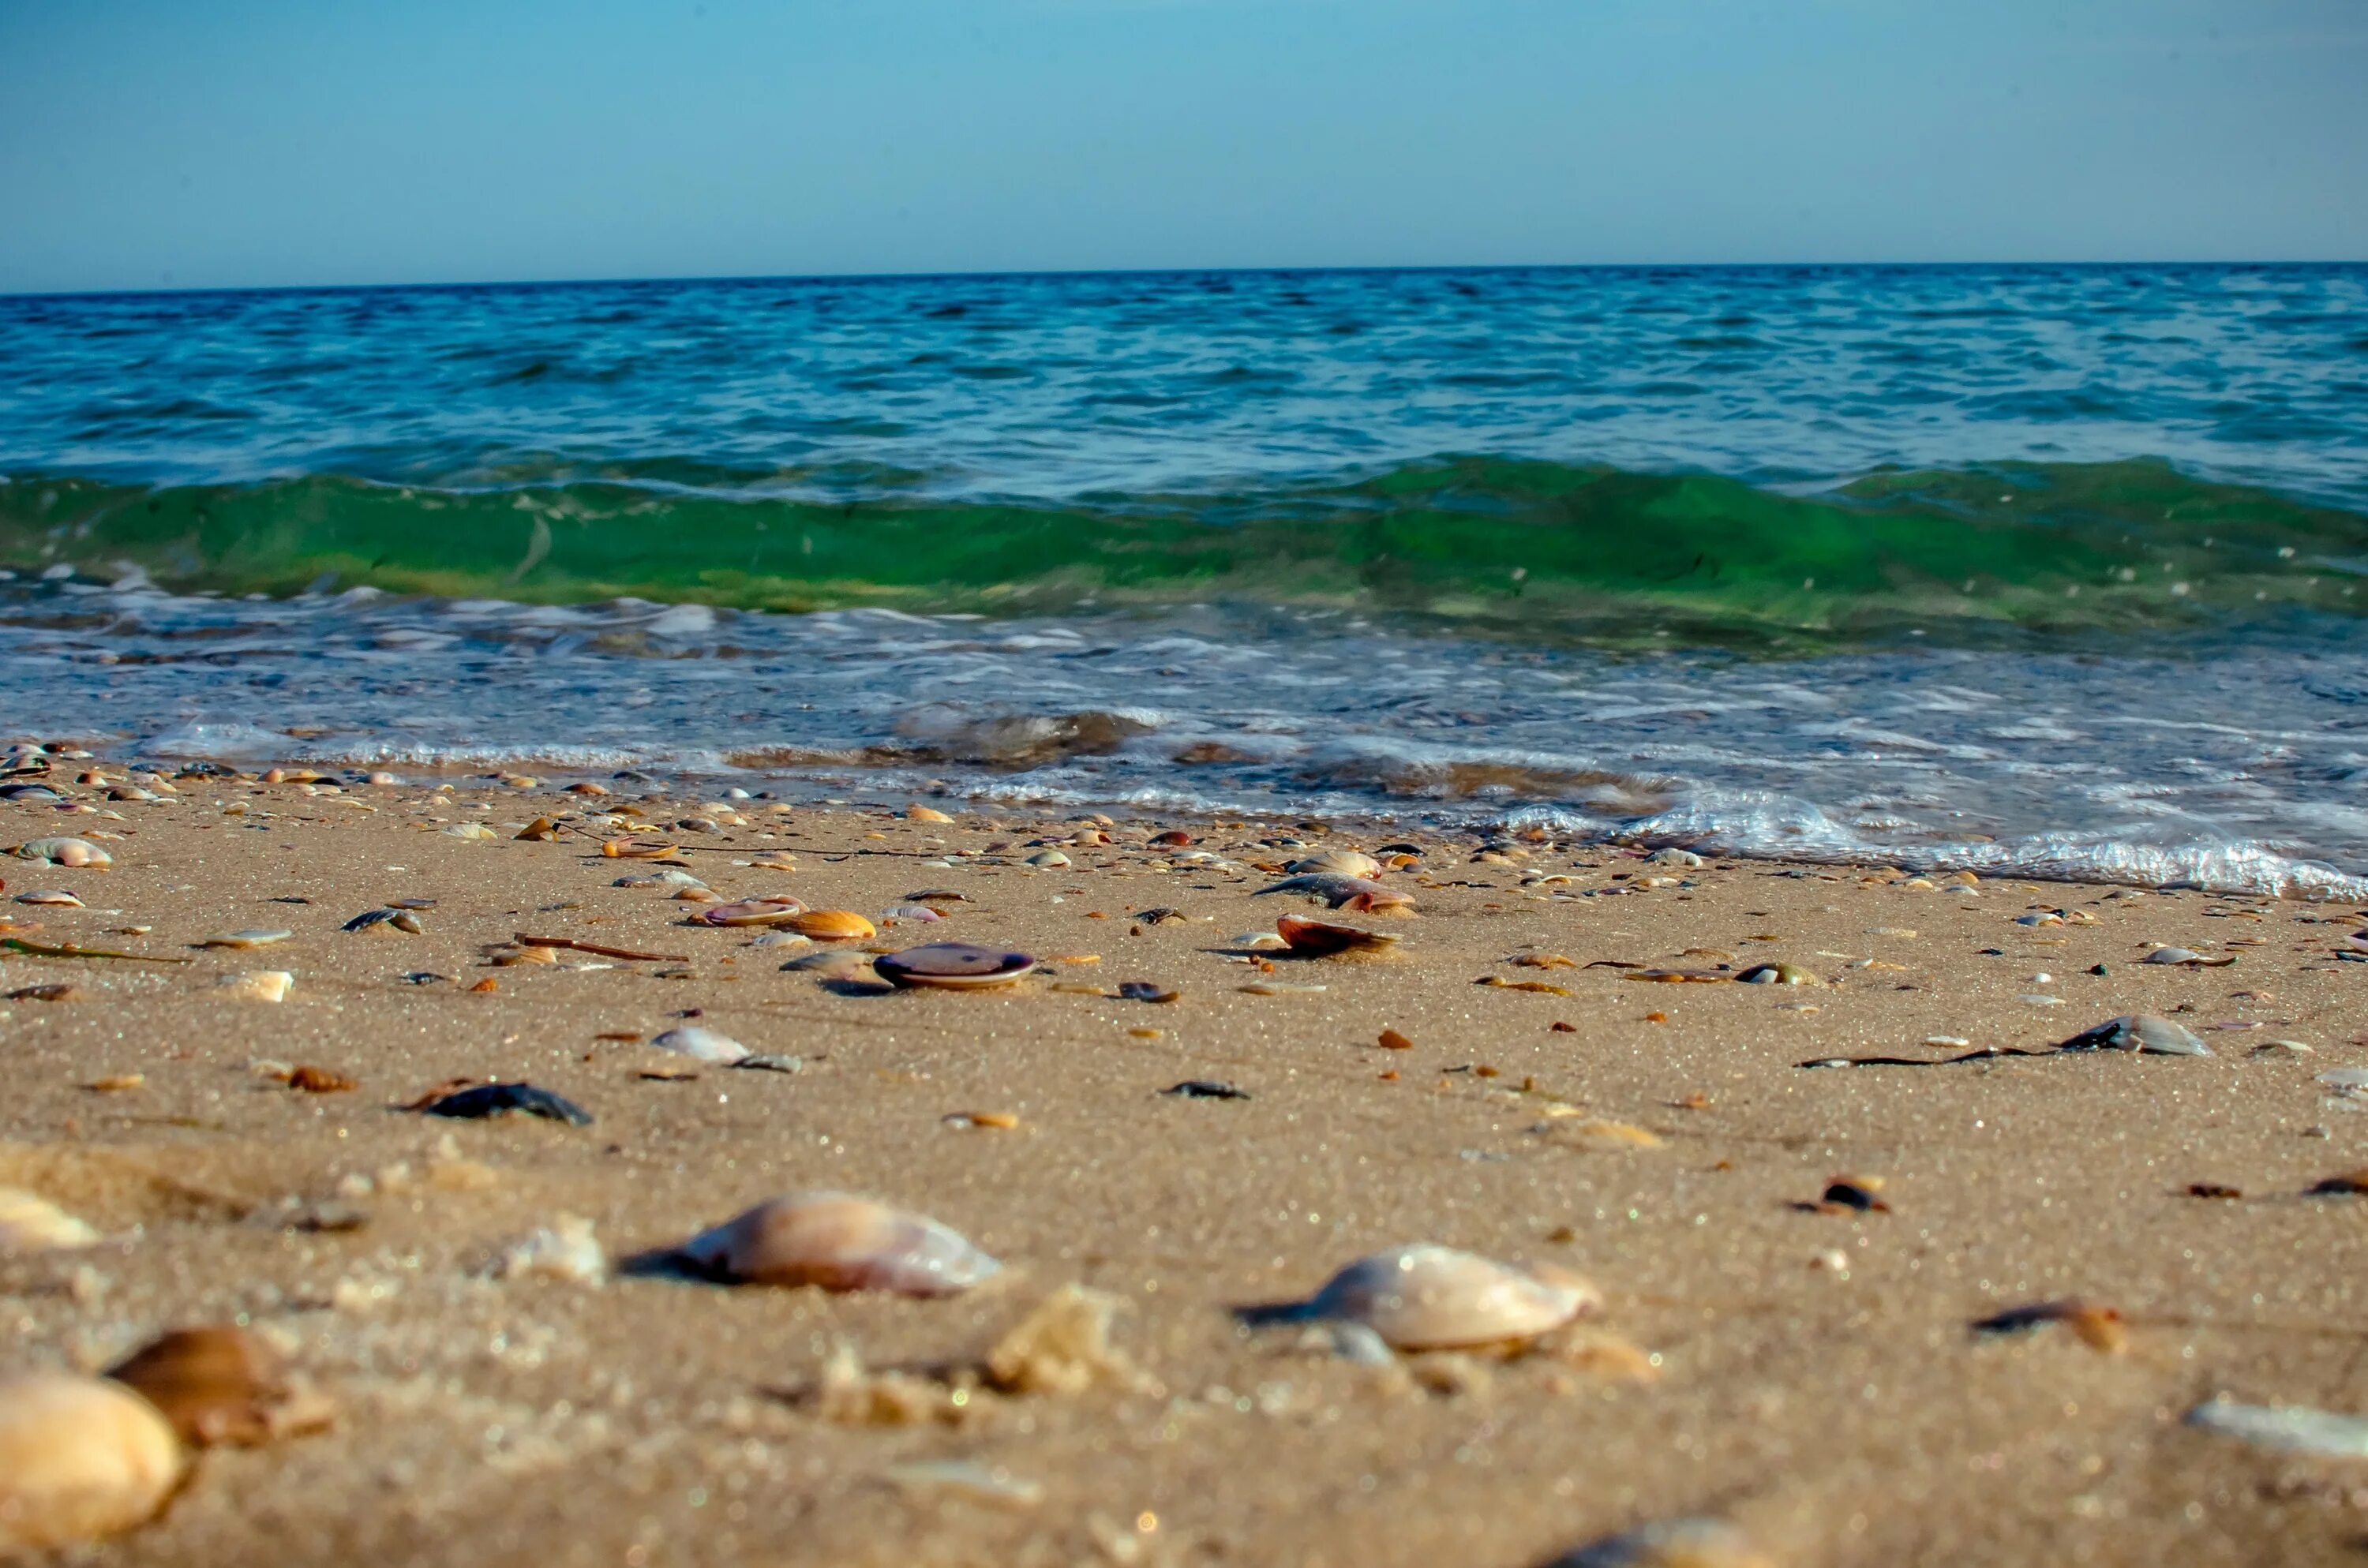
2051 569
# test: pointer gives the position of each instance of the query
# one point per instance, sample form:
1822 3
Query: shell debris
1063 1346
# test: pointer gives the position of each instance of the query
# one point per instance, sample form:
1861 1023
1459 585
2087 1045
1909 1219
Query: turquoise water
1921 561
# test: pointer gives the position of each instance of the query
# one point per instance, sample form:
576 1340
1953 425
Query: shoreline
1807 1372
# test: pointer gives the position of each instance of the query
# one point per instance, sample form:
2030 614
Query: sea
2050 571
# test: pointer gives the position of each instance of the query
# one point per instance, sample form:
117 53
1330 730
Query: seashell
1315 939
2189 956
782 939
1259 942
1434 1298
55 990
957 966
832 925
938 895
1339 863
670 877
256 984
564 1250
51 896
700 894
384 920
926 813
2138 1031
701 1044
30 1223
1063 1347
1049 859
751 911
541 830
840 1242
66 852
1777 974
220 1385
1669 1543
2293 1428
967 1479
1674 856
501 1099
80 1458
254 939
1351 892
835 966
918 913
2099 1328
469 829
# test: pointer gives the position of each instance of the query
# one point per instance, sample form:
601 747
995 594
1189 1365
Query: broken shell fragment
1434 1298
80 1458
840 1242
257 985
750 912
831 926
926 813
32 1223
702 1044
69 852
2138 1031
835 966
1063 1347
1317 938
1670 1543
220 1385
1777 974
957 966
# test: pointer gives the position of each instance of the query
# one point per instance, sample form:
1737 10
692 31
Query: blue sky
146 145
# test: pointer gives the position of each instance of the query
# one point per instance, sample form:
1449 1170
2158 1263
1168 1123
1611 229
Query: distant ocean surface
2041 569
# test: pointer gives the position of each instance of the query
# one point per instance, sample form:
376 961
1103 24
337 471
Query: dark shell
953 965
2139 1031
215 1385
1206 1089
500 1099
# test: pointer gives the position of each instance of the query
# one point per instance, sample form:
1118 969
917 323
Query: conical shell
80 1458
841 1242
832 925
28 1223
1435 1298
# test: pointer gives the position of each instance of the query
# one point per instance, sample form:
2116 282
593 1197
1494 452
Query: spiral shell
80 1458
841 1242
1434 1298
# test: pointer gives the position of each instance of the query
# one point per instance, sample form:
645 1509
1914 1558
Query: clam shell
1318 938
1434 1298
66 852
215 1385
51 896
28 1223
2139 1031
2189 956
832 925
751 911
701 1044
80 1458
840 1242
257 985
953 966
1336 862
834 966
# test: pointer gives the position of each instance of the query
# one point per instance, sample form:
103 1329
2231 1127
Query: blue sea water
2043 568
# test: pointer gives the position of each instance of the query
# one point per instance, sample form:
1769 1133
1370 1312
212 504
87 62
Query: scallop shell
701 1044
751 911
841 1242
832 925
1339 863
1318 938
957 966
66 852
1435 1298
28 1223
80 1458
215 1385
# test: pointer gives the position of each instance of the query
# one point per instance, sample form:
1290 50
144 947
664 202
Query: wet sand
1809 1375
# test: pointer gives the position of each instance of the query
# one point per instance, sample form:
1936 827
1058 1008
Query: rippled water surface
2051 569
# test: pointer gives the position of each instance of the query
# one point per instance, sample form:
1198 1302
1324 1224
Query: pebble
80 1459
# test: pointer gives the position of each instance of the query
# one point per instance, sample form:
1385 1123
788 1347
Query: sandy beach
1806 1370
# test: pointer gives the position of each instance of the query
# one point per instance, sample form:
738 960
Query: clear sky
223 142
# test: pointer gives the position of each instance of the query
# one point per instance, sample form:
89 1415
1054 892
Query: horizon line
931 275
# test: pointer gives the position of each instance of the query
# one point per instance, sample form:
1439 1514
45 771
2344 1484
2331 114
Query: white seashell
701 1044
2298 1428
28 1223
789 939
1259 942
969 1479
1049 859
257 984
564 1250
258 938
1434 1298
66 852
80 1458
841 1242
469 829
1336 862
1670 1543
50 896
